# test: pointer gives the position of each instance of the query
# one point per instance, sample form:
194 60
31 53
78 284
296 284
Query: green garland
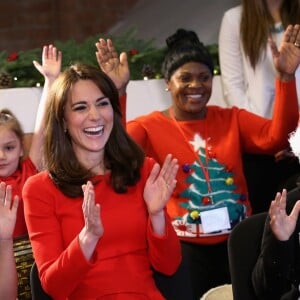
17 70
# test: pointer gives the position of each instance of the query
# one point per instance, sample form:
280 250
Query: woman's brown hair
256 23
122 156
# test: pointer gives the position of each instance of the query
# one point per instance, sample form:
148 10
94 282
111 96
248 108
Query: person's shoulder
223 114
215 109
233 12
231 22
28 166
148 163
39 179
146 168
153 118
150 116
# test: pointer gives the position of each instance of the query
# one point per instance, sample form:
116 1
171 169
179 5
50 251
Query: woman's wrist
6 239
286 77
87 238
158 214
6 243
88 243
122 90
158 222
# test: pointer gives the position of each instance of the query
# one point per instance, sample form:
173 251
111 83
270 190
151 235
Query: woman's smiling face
88 119
190 87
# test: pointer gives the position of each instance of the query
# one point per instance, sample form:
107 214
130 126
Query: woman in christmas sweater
96 216
211 195
15 165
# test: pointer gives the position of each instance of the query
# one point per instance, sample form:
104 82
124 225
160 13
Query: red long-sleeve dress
121 265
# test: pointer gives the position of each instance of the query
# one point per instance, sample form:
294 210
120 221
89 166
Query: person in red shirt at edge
211 194
16 165
96 215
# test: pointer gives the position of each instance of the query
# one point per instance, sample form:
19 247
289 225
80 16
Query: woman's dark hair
182 47
122 156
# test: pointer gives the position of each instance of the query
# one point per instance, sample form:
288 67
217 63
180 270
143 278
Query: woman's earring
166 89
65 130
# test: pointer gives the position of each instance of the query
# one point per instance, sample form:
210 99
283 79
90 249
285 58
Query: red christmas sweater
210 155
17 180
121 265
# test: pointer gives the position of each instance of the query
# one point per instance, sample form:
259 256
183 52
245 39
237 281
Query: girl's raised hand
51 63
8 211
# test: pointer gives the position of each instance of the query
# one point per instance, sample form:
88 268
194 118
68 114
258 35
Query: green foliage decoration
144 58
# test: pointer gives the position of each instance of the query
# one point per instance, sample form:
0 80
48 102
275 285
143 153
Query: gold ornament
195 215
229 181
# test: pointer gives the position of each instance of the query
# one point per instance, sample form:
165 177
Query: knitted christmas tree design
199 197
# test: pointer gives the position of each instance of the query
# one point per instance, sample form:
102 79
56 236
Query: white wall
143 97
23 102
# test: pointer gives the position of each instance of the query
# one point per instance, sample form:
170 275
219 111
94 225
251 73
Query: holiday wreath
17 70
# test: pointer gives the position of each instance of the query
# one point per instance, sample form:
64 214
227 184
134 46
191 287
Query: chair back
24 259
243 250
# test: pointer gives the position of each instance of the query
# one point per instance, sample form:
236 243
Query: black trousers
203 267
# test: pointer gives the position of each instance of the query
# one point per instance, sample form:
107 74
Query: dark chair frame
37 291
244 245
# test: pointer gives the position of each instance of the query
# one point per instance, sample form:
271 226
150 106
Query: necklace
277 28
204 168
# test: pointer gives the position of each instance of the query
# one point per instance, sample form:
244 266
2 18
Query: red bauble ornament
133 52
12 56
206 200
211 154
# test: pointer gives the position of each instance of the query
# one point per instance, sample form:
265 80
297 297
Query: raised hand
287 57
51 63
116 68
50 69
283 225
91 211
8 211
93 228
160 185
